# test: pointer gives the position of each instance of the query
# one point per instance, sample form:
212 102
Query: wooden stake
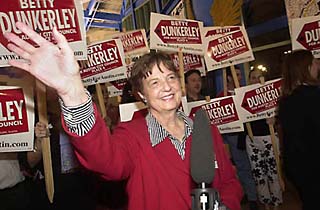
45 143
275 149
237 85
101 101
225 82
181 72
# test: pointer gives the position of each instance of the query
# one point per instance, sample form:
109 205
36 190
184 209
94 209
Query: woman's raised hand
52 64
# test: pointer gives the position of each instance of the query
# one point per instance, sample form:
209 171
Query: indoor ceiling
102 13
102 17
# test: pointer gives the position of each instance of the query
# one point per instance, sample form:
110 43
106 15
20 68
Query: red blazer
158 179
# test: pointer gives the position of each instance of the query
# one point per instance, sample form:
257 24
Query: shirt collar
158 133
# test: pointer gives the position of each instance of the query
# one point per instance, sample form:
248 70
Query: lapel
169 157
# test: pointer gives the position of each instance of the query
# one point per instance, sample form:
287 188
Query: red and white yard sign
190 61
222 112
116 87
128 110
171 34
41 16
226 46
16 119
306 34
105 63
133 42
219 31
255 102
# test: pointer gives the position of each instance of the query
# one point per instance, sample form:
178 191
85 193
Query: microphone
202 164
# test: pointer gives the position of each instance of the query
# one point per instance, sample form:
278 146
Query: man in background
193 84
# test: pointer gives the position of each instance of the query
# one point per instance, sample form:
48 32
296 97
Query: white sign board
16 119
222 112
226 48
168 33
257 101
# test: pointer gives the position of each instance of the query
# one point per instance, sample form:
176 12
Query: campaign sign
171 34
258 101
133 42
218 31
128 111
16 119
116 87
222 112
227 49
306 34
42 16
190 61
105 63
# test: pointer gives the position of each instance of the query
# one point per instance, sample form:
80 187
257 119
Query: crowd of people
147 160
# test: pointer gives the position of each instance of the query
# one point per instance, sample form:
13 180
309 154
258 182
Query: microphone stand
204 198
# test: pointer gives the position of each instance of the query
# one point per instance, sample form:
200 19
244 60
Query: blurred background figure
237 148
230 82
193 84
16 175
112 116
71 181
299 116
128 95
261 156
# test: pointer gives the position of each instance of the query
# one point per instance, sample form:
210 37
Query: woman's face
162 90
194 84
315 67
255 77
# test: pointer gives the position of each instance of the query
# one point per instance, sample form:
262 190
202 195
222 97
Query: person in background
72 182
262 157
109 195
230 82
112 111
299 116
16 178
193 84
128 95
153 153
236 144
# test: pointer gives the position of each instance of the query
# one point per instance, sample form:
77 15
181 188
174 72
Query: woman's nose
166 85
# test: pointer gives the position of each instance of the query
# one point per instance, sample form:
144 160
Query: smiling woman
156 147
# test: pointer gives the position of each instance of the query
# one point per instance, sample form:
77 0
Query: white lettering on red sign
215 111
264 95
227 44
9 108
180 29
98 56
129 40
42 20
312 35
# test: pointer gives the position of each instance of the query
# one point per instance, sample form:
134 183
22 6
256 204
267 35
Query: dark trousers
16 197
71 192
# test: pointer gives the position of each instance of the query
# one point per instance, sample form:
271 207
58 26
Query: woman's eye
172 77
154 83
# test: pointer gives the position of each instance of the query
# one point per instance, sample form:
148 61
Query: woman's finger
20 64
19 42
17 50
62 42
34 36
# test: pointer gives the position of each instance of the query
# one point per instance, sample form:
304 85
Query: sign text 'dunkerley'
40 15
215 110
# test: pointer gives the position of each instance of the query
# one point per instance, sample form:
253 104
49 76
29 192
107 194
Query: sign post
45 143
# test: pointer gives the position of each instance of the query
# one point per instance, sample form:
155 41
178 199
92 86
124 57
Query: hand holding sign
63 74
